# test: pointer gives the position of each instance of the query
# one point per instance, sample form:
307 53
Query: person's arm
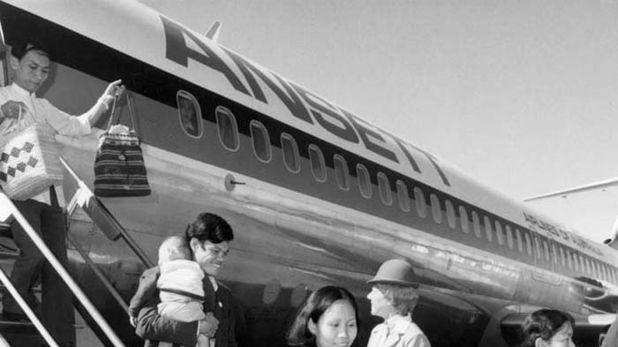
152 326
146 291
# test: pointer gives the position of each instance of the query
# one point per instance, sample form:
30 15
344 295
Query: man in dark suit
208 238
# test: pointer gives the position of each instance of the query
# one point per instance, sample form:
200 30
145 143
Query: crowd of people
180 301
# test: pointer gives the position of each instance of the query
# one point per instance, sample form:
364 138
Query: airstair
80 196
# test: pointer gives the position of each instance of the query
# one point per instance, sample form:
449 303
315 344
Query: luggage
119 164
29 162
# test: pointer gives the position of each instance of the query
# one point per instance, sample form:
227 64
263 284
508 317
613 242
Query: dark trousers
57 305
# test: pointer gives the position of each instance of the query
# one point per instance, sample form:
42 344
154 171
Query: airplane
315 194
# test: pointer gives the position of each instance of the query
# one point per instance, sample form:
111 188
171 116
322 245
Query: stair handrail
10 208
106 283
84 196
24 306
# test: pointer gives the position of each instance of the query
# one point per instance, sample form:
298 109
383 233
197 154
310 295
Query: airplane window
477 224
341 172
384 188
450 214
537 244
364 184
520 244
593 268
419 201
261 141
189 114
436 212
499 234
509 237
402 196
228 130
488 232
291 158
528 244
568 259
463 219
318 167
604 272
582 265
546 249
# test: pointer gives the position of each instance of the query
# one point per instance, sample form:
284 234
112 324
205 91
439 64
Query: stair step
8 254
16 327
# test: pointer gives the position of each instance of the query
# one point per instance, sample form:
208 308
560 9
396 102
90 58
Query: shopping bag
119 168
29 162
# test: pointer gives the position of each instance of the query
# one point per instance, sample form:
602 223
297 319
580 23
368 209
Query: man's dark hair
19 49
209 227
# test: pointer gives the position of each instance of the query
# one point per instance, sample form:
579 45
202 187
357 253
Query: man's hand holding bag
119 164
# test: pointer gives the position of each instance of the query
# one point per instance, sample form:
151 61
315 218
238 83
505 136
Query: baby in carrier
180 285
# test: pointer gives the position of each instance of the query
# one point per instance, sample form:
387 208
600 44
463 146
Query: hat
395 271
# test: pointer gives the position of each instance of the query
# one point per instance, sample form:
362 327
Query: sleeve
232 328
154 327
418 341
146 291
611 337
64 123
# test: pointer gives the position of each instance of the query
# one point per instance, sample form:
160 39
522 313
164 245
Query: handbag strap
113 112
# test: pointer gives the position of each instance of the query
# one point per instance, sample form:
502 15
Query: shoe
15 317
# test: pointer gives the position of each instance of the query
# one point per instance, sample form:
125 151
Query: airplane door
4 64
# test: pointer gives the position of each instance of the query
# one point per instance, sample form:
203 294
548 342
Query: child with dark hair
548 328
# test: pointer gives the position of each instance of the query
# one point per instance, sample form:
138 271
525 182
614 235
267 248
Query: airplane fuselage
315 195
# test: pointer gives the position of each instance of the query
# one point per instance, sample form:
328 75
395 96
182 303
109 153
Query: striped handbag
29 162
119 169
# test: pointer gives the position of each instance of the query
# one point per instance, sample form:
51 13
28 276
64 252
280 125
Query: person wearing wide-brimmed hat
393 296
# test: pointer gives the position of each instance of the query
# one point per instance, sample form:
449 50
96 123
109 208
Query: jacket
152 327
398 331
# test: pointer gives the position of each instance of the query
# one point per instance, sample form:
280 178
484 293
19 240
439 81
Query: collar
213 281
21 91
398 323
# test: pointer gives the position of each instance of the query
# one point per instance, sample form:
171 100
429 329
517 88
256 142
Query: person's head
188 115
209 238
31 64
548 328
390 299
394 289
174 248
328 318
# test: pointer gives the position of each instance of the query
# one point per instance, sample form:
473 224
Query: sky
521 95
